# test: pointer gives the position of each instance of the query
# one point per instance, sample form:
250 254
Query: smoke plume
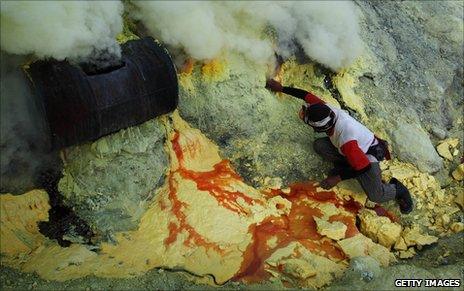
61 29
25 153
81 31
326 30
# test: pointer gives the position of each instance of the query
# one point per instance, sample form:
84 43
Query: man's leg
324 147
371 182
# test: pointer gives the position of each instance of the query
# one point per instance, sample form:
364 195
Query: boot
334 172
403 197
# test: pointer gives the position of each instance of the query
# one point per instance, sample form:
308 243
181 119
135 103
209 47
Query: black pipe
80 105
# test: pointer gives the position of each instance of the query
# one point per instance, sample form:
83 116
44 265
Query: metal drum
79 106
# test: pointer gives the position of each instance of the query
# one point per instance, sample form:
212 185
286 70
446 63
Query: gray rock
386 280
438 132
412 272
412 144
364 268
110 182
417 68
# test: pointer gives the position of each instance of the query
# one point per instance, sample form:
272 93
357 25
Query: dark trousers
371 180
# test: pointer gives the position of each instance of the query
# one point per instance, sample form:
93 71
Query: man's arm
295 92
302 94
358 164
356 158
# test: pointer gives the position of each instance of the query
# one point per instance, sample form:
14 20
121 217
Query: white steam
60 29
326 30
203 29
24 149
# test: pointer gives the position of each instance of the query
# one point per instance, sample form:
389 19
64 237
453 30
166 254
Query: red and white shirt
350 137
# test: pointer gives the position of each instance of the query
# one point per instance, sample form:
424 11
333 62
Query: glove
330 182
273 85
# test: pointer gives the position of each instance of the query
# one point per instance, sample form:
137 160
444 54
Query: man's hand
273 85
330 182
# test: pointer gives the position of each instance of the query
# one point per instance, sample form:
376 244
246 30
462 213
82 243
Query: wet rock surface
364 273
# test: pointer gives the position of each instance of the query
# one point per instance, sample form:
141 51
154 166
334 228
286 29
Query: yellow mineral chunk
345 83
413 236
273 183
298 268
335 230
308 269
328 210
388 234
408 253
421 182
453 142
445 219
350 189
303 76
356 246
272 242
286 190
215 70
457 226
400 172
379 228
445 146
400 244
443 150
359 245
458 173
460 199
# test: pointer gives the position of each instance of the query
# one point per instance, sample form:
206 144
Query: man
352 147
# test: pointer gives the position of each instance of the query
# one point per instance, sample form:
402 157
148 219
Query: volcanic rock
379 228
403 96
458 173
409 253
413 236
457 226
335 230
359 245
446 147
309 269
110 182
413 145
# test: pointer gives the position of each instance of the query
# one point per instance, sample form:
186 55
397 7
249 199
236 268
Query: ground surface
424 264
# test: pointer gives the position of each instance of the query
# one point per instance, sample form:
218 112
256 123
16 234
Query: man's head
319 116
